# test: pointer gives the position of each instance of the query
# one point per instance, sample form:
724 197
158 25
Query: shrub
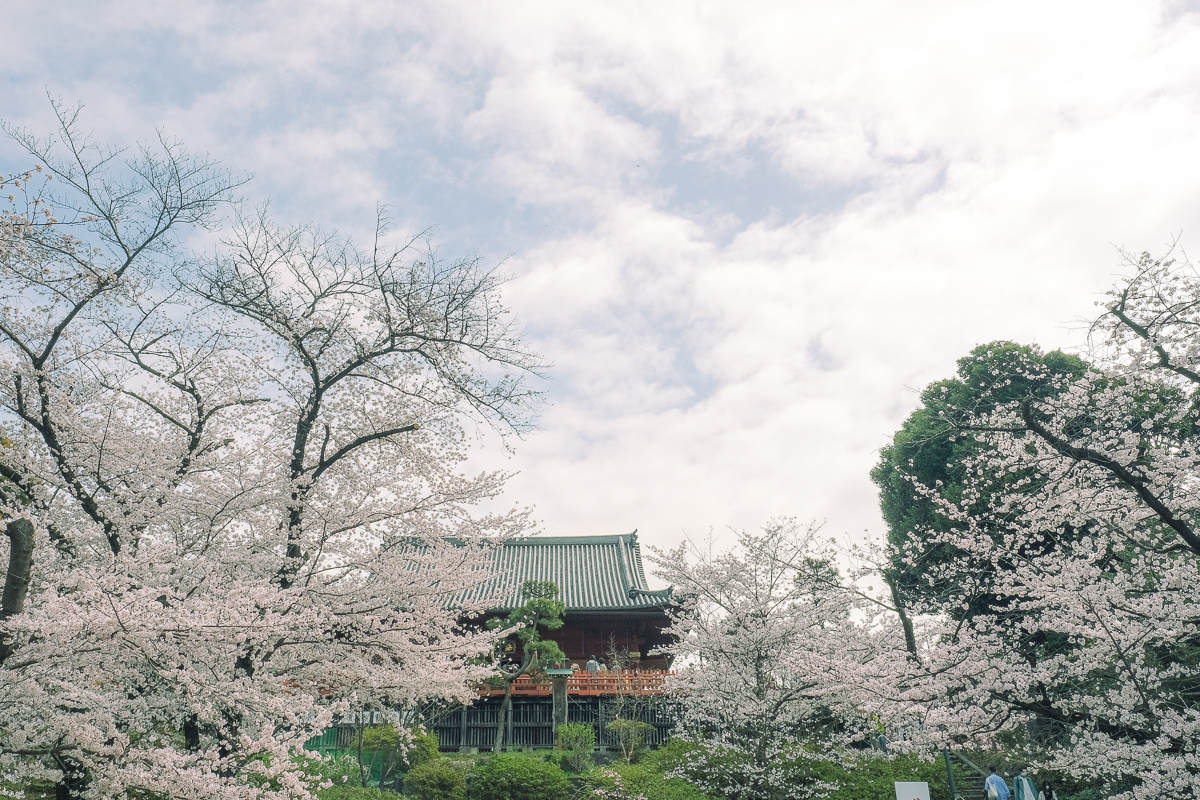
618 781
729 771
340 770
813 770
357 793
423 749
629 736
872 774
436 780
512 776
577 740
386 751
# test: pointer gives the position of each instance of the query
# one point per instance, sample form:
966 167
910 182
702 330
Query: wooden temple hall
611 614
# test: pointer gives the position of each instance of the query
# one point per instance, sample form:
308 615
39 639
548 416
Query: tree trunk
73 783
502 716
763 765
910 638
20 569
364 773
506 706
191 732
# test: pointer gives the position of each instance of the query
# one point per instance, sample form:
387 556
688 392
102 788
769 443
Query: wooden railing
585 683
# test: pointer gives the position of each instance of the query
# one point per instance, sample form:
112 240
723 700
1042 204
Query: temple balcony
630 682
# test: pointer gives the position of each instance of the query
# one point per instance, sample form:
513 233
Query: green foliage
379 753
930 451
577 740
733 772
422 749
861 774
838 774
644 779
37 790
514 776
340 770
542 610
358 793
436 780
377 737
630 735
385 752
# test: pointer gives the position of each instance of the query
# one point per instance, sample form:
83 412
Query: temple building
603 584
610 611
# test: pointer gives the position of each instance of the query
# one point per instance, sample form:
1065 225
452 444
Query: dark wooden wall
475 726
583 636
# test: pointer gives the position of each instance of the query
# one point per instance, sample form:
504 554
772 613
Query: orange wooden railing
585 683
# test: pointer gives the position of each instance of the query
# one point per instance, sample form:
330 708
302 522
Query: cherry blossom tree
1089 651
229 476
762 643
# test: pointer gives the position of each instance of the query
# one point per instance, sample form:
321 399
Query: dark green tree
542 611
926 465
934 462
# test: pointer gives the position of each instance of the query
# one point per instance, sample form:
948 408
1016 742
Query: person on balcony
603 668
593 666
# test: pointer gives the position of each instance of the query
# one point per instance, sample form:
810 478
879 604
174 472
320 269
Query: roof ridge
528 541
640 572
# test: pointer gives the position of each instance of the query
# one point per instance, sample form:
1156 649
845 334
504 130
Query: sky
746 234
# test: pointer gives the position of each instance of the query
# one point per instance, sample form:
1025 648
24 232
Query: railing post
559 694
949 773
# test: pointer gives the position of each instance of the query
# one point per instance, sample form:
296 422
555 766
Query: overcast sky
745 233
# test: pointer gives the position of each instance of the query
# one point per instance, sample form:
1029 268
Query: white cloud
741 232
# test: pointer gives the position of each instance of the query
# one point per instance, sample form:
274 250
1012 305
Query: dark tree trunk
506 706
191 732
16 581
910 638
502 716
73 782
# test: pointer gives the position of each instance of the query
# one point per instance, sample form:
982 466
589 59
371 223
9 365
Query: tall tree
925 466
240 468
761 638
542 610
1096 509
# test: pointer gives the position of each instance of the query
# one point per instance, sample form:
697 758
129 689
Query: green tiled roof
593 573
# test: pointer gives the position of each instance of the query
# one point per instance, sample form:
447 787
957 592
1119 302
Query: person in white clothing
1024 787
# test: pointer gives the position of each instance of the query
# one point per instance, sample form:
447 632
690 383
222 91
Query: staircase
970 788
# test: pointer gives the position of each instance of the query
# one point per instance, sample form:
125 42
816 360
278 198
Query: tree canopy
926 465
542 610
1055 563
229 475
